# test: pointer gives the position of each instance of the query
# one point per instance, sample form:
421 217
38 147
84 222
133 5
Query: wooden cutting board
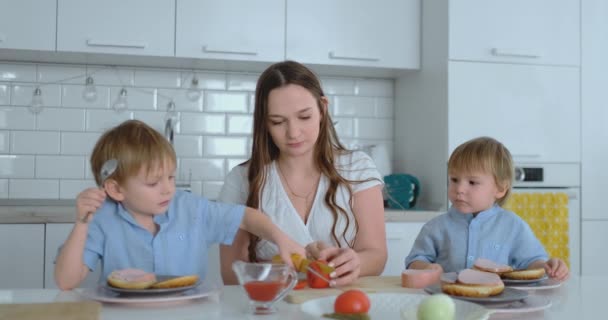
366 284
86 310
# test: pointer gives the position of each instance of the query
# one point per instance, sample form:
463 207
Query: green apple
436 307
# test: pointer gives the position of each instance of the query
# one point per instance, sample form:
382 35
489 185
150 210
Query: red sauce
263 290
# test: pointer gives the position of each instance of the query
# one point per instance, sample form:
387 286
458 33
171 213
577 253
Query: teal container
402 190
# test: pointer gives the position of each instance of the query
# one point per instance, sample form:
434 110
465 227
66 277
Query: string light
37 103
121 103
194 91
90 91
171 114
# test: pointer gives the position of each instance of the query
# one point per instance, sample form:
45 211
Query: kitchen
407 62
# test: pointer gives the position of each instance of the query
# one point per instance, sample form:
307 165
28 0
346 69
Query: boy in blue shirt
476 226
144 222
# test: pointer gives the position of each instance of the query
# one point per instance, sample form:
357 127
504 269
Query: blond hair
487 155
134 145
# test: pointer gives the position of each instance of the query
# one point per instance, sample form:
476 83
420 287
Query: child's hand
434 266
287 247
88 201
557 268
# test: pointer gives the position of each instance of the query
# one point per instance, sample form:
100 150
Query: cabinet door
231 29
533 110
521 31
28 24
383 33
56 234
400 237
22 254
593 246
141 27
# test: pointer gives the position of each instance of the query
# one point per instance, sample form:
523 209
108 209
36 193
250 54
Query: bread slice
131 279
176 282
530 274
471 290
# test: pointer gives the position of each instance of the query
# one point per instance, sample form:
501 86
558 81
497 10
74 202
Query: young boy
144 222
476 226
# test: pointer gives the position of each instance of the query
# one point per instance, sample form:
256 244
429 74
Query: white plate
509 282
508 295
103 294
545 284
529 304
390 306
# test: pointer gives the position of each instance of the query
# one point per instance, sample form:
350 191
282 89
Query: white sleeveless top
276 203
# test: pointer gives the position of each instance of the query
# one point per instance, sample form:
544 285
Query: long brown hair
264 150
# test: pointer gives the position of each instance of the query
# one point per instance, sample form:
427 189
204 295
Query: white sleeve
358 166
236 186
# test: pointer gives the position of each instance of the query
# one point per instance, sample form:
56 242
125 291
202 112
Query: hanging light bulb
194 92
90 91
37 103
121 103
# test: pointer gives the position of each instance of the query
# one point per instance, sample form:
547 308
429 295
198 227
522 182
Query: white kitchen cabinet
400 237
22 256
384 33
532 109
139 27
28 24
56 234
594 239
231 29
519 31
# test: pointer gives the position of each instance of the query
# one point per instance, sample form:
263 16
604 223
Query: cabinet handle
133 45
512 53
246 53
335 56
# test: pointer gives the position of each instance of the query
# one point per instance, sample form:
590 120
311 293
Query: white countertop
579 298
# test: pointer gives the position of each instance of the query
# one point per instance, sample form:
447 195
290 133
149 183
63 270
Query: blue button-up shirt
455 240
180 247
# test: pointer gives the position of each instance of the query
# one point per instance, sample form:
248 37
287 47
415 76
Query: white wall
45 155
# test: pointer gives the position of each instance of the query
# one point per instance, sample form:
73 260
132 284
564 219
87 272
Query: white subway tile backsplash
377 87
373 128
238 124
78 143
225 101
58 167
46 155
3 188
101 120
202 169
354 106
59 119
157 78
188 146
201 123
18 72
17 118
5 94
4 142
69 189
71 97
14 166
242 82
33 189
34 142
21 94
229 147
61 74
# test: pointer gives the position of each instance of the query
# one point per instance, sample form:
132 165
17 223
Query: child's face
473 192
149 193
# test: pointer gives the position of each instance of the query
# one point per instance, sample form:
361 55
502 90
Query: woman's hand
345 260
88 201
557 268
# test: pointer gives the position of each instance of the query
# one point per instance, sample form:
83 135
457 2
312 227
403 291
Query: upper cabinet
140 27
383 33
28 24
519 31
231 29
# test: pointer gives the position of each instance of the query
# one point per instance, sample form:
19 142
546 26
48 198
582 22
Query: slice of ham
475 277
418 279
491 266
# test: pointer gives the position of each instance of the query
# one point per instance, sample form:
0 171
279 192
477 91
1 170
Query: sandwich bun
530 274
176 282
131 279
491 266
472 283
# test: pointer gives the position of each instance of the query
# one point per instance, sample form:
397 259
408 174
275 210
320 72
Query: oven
547 197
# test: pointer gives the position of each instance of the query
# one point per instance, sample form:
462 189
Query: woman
324 196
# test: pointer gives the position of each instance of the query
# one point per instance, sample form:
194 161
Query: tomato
352 301
300 285
321 267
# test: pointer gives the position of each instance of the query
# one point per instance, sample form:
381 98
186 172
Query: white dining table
576 299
